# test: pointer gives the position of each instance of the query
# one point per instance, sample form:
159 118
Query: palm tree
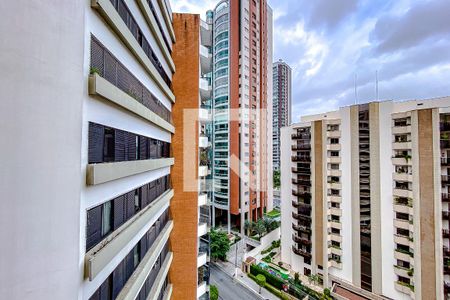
267 223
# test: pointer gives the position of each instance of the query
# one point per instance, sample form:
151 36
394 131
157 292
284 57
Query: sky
331 44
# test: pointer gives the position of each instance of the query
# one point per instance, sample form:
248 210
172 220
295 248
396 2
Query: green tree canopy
261 280
213 292
220 244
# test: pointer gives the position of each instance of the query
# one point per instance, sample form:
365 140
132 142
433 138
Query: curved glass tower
221 106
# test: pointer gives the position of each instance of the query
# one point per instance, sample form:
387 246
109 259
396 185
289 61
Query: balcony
445 214
301 147
203 142
445 161
301 228
305 171
445 197
302 195
296 158
301 217
204 115
445 144
201 289
203 171
400 145
202 229
446 233
402 177
402 192
445 179
444 126
301 136
401 161
333 147
401 129
205 89
205 60
201 259
300 240
334 159
446 251
334 134
202 199
301 252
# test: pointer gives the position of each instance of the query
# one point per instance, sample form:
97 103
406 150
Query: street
229 289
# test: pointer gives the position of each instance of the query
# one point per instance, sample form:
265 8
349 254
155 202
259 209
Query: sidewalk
229 268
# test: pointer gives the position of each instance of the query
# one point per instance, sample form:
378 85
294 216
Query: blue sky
328 42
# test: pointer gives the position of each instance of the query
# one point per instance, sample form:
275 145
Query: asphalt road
228 288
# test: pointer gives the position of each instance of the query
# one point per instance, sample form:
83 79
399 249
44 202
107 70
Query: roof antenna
356 91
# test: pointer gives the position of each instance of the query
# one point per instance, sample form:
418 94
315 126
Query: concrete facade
397 216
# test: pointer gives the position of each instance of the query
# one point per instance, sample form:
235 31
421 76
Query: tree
267 223
261 280
259 228
326 295
276 179
213 292
220 244
296 278
248 226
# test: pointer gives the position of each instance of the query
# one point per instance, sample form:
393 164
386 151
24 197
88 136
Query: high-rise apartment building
282 103
191 115
368 190
96 208
242 103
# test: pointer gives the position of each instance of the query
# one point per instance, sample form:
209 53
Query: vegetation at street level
264 225
276 179
261 280
213 292
220 244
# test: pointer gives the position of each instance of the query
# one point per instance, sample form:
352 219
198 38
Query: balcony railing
445 179
301 136
301 252
301 240
445 144
445 197
301 147
301 228
446 233
296 158
446 251
445 161
306 171
444 126
109 67
301 217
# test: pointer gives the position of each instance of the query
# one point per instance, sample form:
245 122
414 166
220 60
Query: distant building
365 194
241 83
282 102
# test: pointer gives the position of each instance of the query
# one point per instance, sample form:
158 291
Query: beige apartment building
365 194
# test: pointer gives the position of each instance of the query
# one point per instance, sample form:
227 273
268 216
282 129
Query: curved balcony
301 252
301 147
300 240
301 228
301 217
301 136
295 204
301 158
302 171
